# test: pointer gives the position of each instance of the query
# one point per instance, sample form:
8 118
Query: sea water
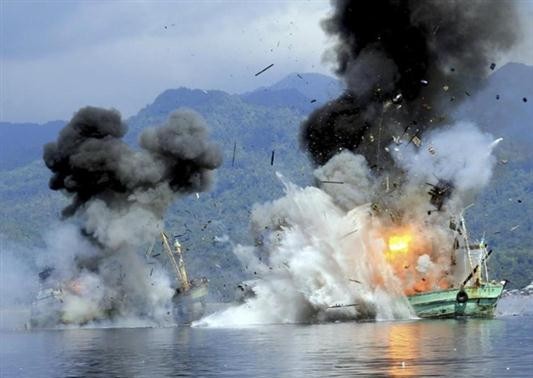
491 348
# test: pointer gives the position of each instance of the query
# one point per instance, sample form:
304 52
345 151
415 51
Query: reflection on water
441 345
424 348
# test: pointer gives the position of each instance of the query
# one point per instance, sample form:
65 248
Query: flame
75 287
399 243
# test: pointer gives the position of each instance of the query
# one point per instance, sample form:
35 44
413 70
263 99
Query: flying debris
397 99
264 69
272 157
415 139
45 273
492 66
234 151
313 100
343 305
440 192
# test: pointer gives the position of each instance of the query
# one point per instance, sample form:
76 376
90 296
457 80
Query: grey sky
60 55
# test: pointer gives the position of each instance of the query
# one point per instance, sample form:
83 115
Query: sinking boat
475 297
190 297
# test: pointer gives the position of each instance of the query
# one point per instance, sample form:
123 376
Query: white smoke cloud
350 183
318 257
459 153
128 227
83 287
326 252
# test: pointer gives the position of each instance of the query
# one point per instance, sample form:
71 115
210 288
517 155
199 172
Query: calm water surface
456 348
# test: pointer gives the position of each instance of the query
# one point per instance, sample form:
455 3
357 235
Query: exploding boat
476 296
190 297
472 301
188 302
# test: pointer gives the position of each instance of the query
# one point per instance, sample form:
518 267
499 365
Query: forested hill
268 119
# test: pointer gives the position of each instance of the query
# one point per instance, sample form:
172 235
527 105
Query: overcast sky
57 56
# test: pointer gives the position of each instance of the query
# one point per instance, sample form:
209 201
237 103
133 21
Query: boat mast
179 266
464 233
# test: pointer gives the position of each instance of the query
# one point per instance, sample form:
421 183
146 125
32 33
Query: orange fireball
399 243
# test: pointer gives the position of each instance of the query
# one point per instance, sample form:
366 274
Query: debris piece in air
492 66
424 82
445 88
356 281
197 195
272 157
432 150
313 100
397 99
524 99
234 150
497 97
349 233
344 305
47 272
416 140
504 161
264 69
440 192
331 182
519 201
514 227
466 93
300 76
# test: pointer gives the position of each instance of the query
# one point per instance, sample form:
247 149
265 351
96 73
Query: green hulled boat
475 301
474 297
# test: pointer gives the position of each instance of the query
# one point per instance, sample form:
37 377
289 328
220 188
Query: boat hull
479 302
190 306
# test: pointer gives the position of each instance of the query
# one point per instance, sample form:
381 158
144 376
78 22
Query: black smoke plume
406 64
120 195
90 160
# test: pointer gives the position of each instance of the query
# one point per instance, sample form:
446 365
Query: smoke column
370 233
119 196
406 64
